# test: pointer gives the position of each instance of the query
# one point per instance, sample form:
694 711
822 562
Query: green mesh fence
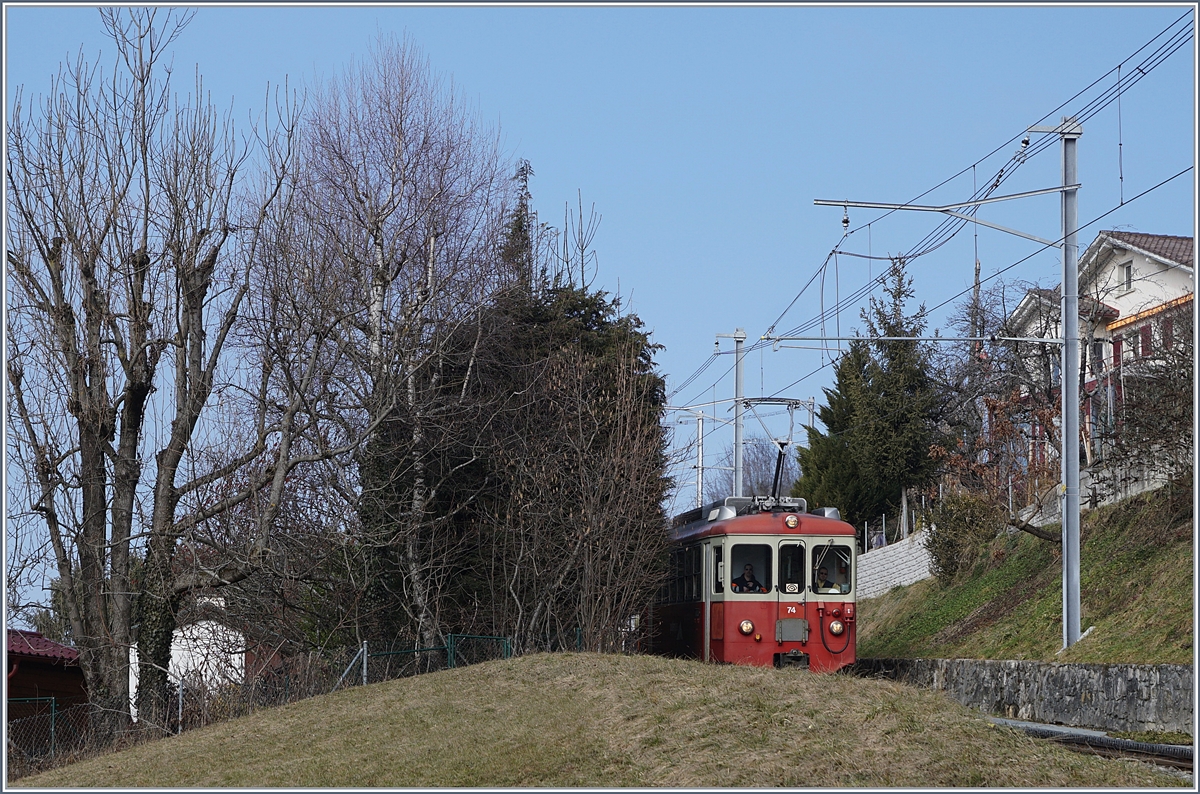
42 735
386 661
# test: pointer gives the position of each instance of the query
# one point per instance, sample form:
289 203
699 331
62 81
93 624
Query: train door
714 601
791 620
706 586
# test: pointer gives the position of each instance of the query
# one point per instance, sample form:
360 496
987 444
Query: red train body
797 610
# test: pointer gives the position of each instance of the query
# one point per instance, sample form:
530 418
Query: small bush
963 525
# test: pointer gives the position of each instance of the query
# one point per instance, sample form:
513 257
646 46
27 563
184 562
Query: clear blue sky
702 135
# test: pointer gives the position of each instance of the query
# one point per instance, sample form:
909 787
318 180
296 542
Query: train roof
756 516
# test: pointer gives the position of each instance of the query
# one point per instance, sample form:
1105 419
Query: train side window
691 573
831 569
752 564
676 576
718 569
791 567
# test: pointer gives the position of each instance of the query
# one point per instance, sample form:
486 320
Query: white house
1136 294
203 651
1142 277
1126 280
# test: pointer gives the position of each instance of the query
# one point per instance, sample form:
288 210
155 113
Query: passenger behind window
746 583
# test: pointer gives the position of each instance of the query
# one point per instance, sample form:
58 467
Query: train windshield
831 569
751 562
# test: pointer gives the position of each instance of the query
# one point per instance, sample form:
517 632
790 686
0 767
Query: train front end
762 583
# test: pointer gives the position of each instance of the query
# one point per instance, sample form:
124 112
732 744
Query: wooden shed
41 668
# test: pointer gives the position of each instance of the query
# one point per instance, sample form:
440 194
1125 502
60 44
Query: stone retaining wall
903 562
1107 697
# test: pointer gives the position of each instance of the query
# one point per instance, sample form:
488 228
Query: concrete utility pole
739 337
1070 313
698 412
1068 131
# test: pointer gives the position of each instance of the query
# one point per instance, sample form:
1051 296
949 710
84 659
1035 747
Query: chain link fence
42 734
388 661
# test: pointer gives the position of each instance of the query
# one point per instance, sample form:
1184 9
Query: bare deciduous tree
568 528
138 223
759 459
401 189
1004 398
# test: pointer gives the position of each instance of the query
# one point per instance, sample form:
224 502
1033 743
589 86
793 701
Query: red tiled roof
32 643
1088 306
1176 249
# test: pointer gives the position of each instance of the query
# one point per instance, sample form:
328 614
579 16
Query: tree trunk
158 608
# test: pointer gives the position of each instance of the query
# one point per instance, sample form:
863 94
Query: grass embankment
1136 589
577 719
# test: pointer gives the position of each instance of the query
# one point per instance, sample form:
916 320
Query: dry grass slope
599 720
1136 577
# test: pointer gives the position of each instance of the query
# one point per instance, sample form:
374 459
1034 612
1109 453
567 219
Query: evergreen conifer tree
895 418
829 472
879 417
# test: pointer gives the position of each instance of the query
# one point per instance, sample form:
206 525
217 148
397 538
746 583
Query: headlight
791 522
746 627
836 627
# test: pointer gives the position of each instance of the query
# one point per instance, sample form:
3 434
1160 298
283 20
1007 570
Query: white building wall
204 651
903 562
1153 283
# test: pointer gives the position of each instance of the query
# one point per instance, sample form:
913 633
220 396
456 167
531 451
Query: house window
1126 273
1147 338
1096 364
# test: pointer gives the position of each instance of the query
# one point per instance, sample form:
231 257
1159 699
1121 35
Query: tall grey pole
1070 132
700 460
739 337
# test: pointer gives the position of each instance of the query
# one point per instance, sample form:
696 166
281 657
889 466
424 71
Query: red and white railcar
798 609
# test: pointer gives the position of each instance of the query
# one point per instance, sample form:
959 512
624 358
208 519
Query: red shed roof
32 643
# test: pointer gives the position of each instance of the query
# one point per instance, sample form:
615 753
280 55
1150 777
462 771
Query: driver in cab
824 583
746 583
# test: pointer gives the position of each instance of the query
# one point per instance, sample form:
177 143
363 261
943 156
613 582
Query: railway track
1096 743
1161 759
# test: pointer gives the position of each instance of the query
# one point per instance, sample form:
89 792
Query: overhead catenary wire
1090 223
1174 42
999 272
1177 34
1120 141
947 229
1021 260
